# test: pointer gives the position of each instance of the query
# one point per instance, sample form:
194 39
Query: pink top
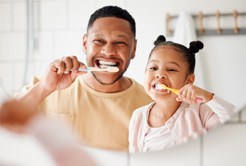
189 121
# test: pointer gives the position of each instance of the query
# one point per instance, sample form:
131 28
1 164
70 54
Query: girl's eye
171 70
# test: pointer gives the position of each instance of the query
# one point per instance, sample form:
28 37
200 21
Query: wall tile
6 77
68 43
19 16
12 0
100 3
53 14
43 45
18 74
5 16
13 46
79 13
37 68
225 146
184 155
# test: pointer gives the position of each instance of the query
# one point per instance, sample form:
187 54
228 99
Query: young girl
174 118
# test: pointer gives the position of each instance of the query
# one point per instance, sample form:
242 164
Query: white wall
59 26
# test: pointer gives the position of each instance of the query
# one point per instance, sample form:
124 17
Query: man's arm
60 75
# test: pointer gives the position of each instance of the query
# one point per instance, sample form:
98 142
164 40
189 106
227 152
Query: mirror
221 61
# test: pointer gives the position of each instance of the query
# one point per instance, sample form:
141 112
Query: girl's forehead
167 55
166 52
166 48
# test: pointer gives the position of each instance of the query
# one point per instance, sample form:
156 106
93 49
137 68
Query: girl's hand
192 94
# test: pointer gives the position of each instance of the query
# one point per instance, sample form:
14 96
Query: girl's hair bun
195 46
159 40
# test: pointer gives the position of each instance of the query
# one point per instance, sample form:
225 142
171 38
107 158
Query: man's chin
106 80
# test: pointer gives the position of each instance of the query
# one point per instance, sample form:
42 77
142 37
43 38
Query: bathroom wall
58 29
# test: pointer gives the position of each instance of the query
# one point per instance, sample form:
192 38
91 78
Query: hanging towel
184 33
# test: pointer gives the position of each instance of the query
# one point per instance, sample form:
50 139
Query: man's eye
153 68
120 43
99 42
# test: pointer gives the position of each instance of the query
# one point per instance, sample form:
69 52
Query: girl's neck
160 113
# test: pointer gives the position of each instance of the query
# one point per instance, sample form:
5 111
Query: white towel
184 33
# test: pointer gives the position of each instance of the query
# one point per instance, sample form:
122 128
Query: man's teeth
107 63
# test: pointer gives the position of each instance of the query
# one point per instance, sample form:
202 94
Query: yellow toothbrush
176 91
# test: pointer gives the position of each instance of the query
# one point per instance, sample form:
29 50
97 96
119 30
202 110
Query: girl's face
166 66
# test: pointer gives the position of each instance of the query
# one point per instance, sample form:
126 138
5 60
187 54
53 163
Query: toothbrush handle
176 91
82 69
91 69
198 99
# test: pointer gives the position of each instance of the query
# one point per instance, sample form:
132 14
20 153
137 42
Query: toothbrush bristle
160 86
112 69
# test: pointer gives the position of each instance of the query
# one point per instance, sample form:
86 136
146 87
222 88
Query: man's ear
190 79
84 43
134 49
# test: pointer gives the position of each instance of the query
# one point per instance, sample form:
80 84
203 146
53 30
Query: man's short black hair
113 11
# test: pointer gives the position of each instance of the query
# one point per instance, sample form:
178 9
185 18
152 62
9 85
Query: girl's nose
108 50
160 75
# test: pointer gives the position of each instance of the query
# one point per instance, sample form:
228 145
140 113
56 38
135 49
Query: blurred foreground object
15 116
49 138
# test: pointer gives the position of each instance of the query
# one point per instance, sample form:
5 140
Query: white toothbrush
108 69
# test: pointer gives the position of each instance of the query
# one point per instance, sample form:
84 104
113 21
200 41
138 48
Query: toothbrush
109 69
176 91
162 86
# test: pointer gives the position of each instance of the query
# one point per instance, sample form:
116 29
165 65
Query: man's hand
61 73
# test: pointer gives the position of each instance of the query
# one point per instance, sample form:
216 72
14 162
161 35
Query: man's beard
103 83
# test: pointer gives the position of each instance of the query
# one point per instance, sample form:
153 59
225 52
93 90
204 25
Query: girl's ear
190 79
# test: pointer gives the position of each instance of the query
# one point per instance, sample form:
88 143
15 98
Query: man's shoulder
136 84
139 91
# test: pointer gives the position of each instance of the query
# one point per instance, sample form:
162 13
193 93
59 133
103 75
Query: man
98 105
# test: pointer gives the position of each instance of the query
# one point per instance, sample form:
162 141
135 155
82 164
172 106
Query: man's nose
108 49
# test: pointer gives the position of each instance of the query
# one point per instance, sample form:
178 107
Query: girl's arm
216 111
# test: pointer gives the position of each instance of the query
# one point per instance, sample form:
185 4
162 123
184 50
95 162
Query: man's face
109 42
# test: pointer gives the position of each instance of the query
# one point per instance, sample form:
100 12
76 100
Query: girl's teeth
158 87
